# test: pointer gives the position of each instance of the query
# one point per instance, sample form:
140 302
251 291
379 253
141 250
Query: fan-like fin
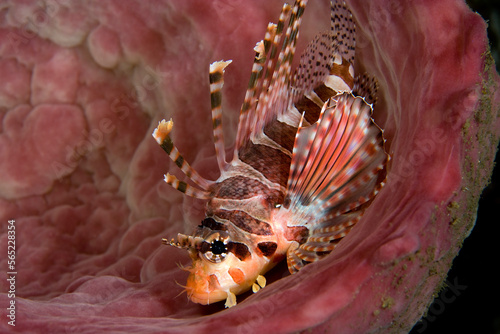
337 168
317 61
293 261
336 162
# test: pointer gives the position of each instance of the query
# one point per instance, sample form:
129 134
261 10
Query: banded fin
216 84
336 168
268 94
256 82
162 137
323 239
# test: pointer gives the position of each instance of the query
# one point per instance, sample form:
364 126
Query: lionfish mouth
85 83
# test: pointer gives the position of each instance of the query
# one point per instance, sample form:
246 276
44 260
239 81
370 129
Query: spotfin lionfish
308 160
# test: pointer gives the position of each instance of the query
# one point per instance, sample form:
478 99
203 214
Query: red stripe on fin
336 162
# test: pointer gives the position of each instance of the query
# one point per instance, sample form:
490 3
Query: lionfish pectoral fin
268 94
297 257
337 168
336 161
162 137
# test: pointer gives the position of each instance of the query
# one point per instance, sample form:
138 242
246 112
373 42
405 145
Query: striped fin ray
335 162
162 136
185 188
336 170
216 84
323 239
270 57
270 93
256 82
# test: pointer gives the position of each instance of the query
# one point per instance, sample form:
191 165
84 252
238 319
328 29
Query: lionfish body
308 160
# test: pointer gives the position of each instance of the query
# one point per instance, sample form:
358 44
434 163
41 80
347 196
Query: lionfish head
222 266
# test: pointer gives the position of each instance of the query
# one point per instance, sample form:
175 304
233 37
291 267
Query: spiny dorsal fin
256 83
268 94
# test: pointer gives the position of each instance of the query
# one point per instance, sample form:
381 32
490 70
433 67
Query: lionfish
308 161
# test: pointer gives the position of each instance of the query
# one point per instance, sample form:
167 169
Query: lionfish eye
216 250
218 247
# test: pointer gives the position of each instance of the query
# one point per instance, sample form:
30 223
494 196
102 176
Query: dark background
475 306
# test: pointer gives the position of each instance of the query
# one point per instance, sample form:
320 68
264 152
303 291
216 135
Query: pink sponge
83 84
